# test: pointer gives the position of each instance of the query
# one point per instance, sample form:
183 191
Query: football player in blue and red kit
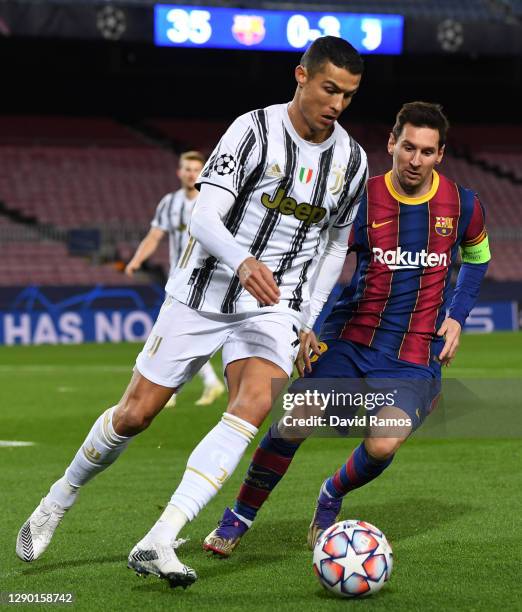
391 321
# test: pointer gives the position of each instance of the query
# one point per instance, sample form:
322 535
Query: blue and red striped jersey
405 247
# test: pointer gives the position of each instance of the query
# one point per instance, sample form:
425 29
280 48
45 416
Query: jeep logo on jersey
289 206
406 260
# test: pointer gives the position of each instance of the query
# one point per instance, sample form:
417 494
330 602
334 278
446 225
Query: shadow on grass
218 568
63 565
329 597
400 519
409 517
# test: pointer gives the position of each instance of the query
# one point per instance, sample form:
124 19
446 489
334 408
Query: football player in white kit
278 179
172 217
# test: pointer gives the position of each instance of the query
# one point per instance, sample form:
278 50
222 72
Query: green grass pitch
450 508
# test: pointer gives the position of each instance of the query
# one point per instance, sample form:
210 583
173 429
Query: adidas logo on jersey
404 260
289 206
274 171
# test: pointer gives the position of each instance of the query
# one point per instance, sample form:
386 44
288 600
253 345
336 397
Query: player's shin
269 464
100 449
360 469
210 464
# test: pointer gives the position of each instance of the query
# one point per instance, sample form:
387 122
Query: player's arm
331 264
328 271
475 255
208 228
145 249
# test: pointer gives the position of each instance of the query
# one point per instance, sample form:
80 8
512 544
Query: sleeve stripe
345 215
476 240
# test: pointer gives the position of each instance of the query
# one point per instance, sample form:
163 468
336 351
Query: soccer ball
353 559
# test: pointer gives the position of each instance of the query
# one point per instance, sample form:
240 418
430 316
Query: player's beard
411 183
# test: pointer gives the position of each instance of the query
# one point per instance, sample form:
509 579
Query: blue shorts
416 388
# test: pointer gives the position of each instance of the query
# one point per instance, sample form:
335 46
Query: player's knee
383 448
294 434
131 417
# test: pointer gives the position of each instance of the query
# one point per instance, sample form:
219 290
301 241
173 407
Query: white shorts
183 339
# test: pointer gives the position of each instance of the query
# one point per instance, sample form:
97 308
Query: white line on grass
10 443
7 369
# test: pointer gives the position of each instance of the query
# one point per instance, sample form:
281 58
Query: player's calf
382 449
140 404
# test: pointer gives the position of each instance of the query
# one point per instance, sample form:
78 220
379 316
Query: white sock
101 448
324 491
62 493
208 375
211 463
247 522
169 524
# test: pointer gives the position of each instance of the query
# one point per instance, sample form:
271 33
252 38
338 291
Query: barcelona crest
248 29
444 226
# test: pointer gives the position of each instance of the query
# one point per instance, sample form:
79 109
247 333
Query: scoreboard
229 28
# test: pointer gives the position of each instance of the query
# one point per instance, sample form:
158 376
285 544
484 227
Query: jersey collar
407 200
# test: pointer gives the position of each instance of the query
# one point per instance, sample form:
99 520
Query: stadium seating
507 163
57 130
26 263
202 135
68 172
85 187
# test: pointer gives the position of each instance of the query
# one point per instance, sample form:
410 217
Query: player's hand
450 329
259 281
131 267
308 341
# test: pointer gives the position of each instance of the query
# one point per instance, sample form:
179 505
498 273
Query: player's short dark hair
422 114
192 156
332 49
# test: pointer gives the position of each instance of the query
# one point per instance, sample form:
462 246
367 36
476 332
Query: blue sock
269 464
360 469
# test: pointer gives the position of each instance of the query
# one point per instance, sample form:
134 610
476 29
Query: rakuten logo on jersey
406 260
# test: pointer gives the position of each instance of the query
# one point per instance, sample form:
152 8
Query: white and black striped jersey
287 190
172 216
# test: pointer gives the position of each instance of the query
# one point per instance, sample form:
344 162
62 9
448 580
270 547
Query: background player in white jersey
279 178
172 218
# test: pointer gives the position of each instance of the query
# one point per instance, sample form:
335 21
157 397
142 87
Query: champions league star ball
353 559
225 164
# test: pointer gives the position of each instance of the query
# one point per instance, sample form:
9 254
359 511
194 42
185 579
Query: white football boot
36 533
159 559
